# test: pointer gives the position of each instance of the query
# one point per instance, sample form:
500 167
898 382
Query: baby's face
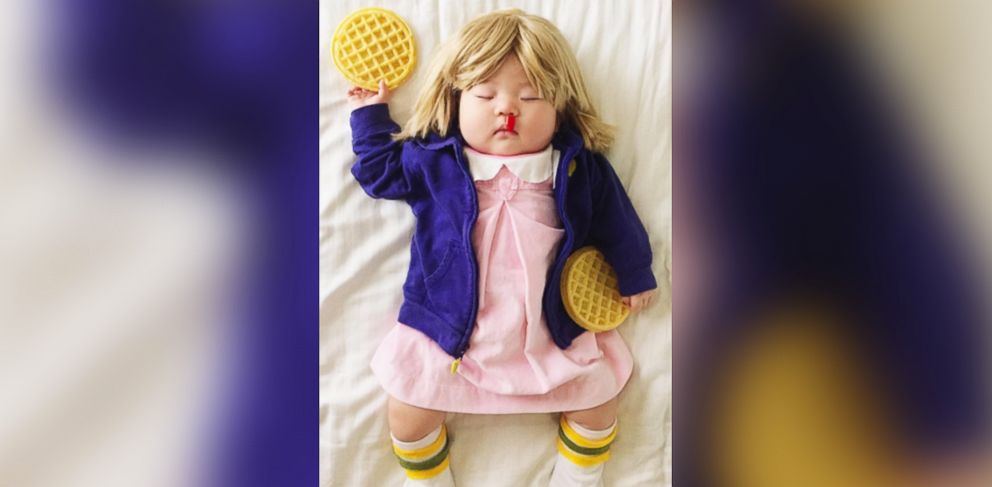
484 109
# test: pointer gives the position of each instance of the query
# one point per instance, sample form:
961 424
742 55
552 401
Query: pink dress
511 365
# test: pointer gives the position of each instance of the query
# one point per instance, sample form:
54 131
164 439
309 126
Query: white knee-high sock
582 453
425 460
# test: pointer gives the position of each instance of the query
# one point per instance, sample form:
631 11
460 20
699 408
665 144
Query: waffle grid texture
373 44
590 292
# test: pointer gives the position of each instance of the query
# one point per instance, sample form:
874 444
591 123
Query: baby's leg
420 443
410 423
598 418
584 439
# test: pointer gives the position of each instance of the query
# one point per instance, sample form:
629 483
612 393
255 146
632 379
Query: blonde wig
479 49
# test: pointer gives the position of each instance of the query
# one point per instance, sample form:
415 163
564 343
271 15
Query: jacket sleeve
618 232
380 168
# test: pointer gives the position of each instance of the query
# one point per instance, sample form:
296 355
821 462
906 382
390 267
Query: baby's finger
383 89
625 300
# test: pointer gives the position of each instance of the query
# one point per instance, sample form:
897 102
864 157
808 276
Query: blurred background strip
832 241
158 243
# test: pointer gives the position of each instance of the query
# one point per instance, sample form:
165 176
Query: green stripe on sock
426 464
581 449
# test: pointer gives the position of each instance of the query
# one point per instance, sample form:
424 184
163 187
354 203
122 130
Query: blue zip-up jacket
432 175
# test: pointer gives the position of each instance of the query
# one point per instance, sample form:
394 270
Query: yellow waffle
373 44
590 293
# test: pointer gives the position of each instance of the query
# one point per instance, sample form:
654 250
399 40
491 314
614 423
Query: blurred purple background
813 172
159 319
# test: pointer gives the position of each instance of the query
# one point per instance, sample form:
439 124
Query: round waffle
373 44
590 293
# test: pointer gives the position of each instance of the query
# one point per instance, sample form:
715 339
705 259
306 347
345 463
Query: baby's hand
639 301
359 97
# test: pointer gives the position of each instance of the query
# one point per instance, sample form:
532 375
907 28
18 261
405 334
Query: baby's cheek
474 127
543 124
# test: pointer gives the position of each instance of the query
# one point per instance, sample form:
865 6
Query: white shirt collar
536 167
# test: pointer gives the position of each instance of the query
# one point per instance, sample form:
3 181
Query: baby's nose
506 106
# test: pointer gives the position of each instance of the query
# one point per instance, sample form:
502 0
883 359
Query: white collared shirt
536 167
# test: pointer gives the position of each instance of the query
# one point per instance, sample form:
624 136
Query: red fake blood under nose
511 121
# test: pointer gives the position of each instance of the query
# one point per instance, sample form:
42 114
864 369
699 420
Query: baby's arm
620 235
380 167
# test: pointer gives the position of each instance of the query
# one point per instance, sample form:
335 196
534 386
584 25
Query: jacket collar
567 140
434 141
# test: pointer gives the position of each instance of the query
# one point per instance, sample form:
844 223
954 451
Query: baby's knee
411 423
598 418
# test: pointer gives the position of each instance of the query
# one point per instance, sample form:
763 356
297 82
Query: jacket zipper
569 234
463 345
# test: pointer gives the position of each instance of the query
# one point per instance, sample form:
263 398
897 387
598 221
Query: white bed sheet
624 49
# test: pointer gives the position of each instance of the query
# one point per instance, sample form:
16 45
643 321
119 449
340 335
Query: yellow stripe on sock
425 452
585 442
427 474
582 460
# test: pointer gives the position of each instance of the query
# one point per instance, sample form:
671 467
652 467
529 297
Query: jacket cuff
371 118
636 281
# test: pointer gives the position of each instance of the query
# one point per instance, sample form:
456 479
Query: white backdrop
624 49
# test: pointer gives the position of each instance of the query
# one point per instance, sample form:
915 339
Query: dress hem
483 401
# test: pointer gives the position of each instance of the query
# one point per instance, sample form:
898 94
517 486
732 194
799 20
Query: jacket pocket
442 267
449 288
